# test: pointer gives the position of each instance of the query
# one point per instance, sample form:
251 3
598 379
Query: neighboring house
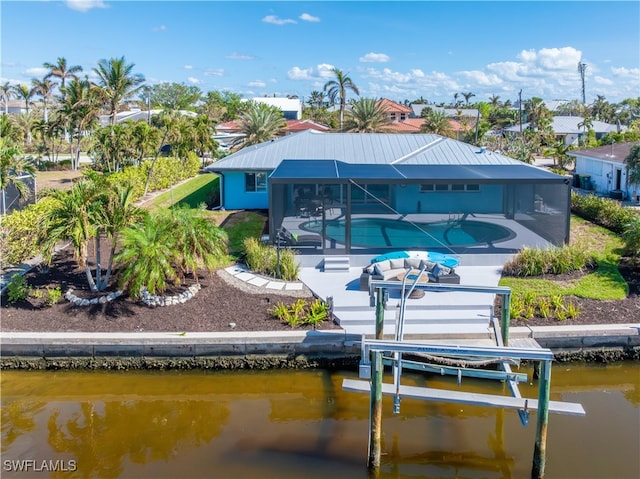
394 111
570 129
290 107
332 191
457 113
229 133
607 171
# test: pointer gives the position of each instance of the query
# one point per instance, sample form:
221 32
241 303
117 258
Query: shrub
263 259
603 211
302 312
17 289
558 260
631 237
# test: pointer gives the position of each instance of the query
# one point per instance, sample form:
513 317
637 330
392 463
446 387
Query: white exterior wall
603 176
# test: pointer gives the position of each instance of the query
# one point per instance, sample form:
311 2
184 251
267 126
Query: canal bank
266 350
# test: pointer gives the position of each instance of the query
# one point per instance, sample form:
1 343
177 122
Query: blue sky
397 50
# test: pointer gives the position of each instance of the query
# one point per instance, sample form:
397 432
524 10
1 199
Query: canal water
300 424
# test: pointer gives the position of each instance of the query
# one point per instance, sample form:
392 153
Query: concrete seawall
285 349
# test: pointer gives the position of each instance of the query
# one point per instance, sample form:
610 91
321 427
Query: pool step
336 263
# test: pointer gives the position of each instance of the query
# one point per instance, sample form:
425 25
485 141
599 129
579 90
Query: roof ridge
422 149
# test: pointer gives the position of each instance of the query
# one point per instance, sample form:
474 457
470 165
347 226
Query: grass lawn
192 192
605 283
58 179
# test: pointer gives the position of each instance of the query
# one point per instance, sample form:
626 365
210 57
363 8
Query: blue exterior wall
235 196
487 200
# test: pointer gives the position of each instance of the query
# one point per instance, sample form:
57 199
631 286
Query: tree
633 165
118 83
165 246
436 122
558 151
174 96
63 72
494 100
467 96
44 88
261 123
6 93
221 106
203 132
12 166
80 106
337 90
25 93
366 116
586 124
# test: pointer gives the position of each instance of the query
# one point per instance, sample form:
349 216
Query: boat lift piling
373 360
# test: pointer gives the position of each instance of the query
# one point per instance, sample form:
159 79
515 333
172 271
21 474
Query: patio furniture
412 275
389 269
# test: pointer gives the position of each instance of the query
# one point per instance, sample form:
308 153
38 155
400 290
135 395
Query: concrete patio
450 314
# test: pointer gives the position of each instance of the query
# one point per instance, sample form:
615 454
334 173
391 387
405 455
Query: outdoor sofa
390 269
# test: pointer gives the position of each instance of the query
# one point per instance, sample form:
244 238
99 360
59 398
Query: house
606 169
137 114
229 133
457 113
291 107
345 192
394 111
570 128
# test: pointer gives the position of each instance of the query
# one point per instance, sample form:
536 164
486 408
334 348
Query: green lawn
192 192
605 283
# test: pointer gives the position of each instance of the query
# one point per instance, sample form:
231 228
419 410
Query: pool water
384 232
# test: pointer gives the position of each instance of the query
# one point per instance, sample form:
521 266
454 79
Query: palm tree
633 165
61 71
337 90
436 121
586 124
44 88
494 101
25 93
80 107
316 99
558 151
25 122
144 138
6 92
203 131
118 82
467 96
12 166
261 123
366 116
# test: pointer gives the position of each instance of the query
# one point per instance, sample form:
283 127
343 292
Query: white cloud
321 71
602 80
308 18
375 58
213 72
85 5
193 81
37 71
257 84
481 78
273 19
160 28
239 56
188 67
630 73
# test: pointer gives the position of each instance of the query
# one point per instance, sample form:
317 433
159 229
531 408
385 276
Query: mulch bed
219 303
213 308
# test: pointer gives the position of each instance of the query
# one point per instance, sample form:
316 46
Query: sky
391 49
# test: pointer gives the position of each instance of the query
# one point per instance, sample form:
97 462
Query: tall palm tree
43 88
586 124
118 83
25 122
494 101
12 166
261 123
366 116
337 90
80 108
467 96
6 93
25 93
61 71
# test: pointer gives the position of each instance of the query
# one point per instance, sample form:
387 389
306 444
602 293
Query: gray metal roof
334 171
360 148
563 125
616 152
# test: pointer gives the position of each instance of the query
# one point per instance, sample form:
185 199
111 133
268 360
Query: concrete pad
275 285
293 287
245 276
257 281
235 270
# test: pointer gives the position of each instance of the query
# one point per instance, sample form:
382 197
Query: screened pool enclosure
332 207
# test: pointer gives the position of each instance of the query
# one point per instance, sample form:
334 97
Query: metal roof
360 148
335 171
616 152
562 125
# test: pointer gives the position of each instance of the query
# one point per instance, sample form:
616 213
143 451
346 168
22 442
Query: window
429 187
426 187
255 181
441 187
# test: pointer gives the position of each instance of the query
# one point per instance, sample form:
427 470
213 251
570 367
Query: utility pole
520 109
582 69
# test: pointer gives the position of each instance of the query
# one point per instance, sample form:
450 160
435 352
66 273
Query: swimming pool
384 232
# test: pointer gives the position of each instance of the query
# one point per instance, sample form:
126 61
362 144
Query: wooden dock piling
540 450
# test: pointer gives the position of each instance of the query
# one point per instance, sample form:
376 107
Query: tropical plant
61 71
24 93
631 237
17 289
261 123
558 151
436 122
337 91
633 165
366 116
117 82
12 166
43 88
6 92
467 96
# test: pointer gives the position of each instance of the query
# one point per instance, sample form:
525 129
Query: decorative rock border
72 298
153 300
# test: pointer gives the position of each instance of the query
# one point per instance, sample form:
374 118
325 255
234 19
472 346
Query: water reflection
291 424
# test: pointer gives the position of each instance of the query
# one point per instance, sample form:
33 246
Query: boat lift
452 359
